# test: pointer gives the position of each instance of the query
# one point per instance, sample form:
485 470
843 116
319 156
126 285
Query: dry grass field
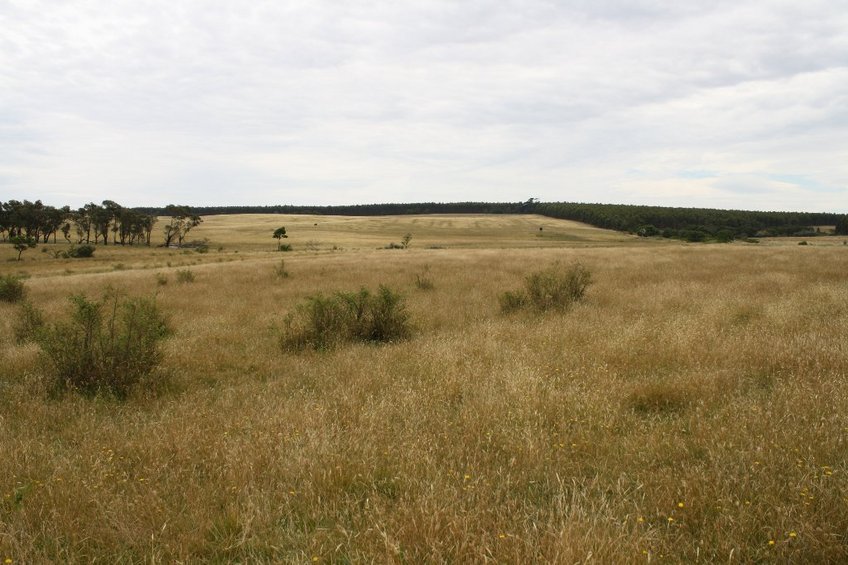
692 408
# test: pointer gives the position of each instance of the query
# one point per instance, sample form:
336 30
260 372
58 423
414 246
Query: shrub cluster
323 322
11 288
107 346
554 288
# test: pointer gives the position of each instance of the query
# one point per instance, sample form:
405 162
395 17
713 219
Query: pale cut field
253 231
693 407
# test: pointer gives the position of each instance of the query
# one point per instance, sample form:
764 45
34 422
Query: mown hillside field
691 407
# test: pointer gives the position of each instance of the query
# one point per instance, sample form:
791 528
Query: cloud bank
716 104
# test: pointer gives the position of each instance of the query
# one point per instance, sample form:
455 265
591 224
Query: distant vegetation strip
688 223
26 223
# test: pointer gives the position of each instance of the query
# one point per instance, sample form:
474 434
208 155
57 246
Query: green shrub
185 276
554 288
557 287
512 300
324 322
81 251
647 230
109 346
161 279
30 321
693 236
286 247
11 288
724 236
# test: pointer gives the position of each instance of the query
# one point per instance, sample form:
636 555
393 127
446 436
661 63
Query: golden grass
693 406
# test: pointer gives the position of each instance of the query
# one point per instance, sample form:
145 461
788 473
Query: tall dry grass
692 407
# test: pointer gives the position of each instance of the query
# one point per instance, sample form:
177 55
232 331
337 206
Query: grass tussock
185 276
323 322
660 398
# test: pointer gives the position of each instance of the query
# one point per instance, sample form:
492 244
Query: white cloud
219 102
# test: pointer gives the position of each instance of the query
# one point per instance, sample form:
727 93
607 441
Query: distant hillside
134 225
694 224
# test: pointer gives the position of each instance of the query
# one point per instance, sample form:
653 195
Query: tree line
34 222
389 209
691 223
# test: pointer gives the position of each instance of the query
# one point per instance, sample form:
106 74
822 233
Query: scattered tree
22 243
279 234
182 221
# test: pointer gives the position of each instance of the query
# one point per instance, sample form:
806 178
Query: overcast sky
721 104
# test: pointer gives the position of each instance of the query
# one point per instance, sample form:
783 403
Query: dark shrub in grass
107 346
83 251
11 288
323 322
554 288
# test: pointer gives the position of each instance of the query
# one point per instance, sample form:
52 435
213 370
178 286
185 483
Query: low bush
107 346
185 276
81 251
554 288
512 300
11 288
323 322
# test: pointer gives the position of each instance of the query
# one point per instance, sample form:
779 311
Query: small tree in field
279 234
405 241
22 243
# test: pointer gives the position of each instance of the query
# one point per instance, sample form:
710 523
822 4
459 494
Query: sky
719 104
